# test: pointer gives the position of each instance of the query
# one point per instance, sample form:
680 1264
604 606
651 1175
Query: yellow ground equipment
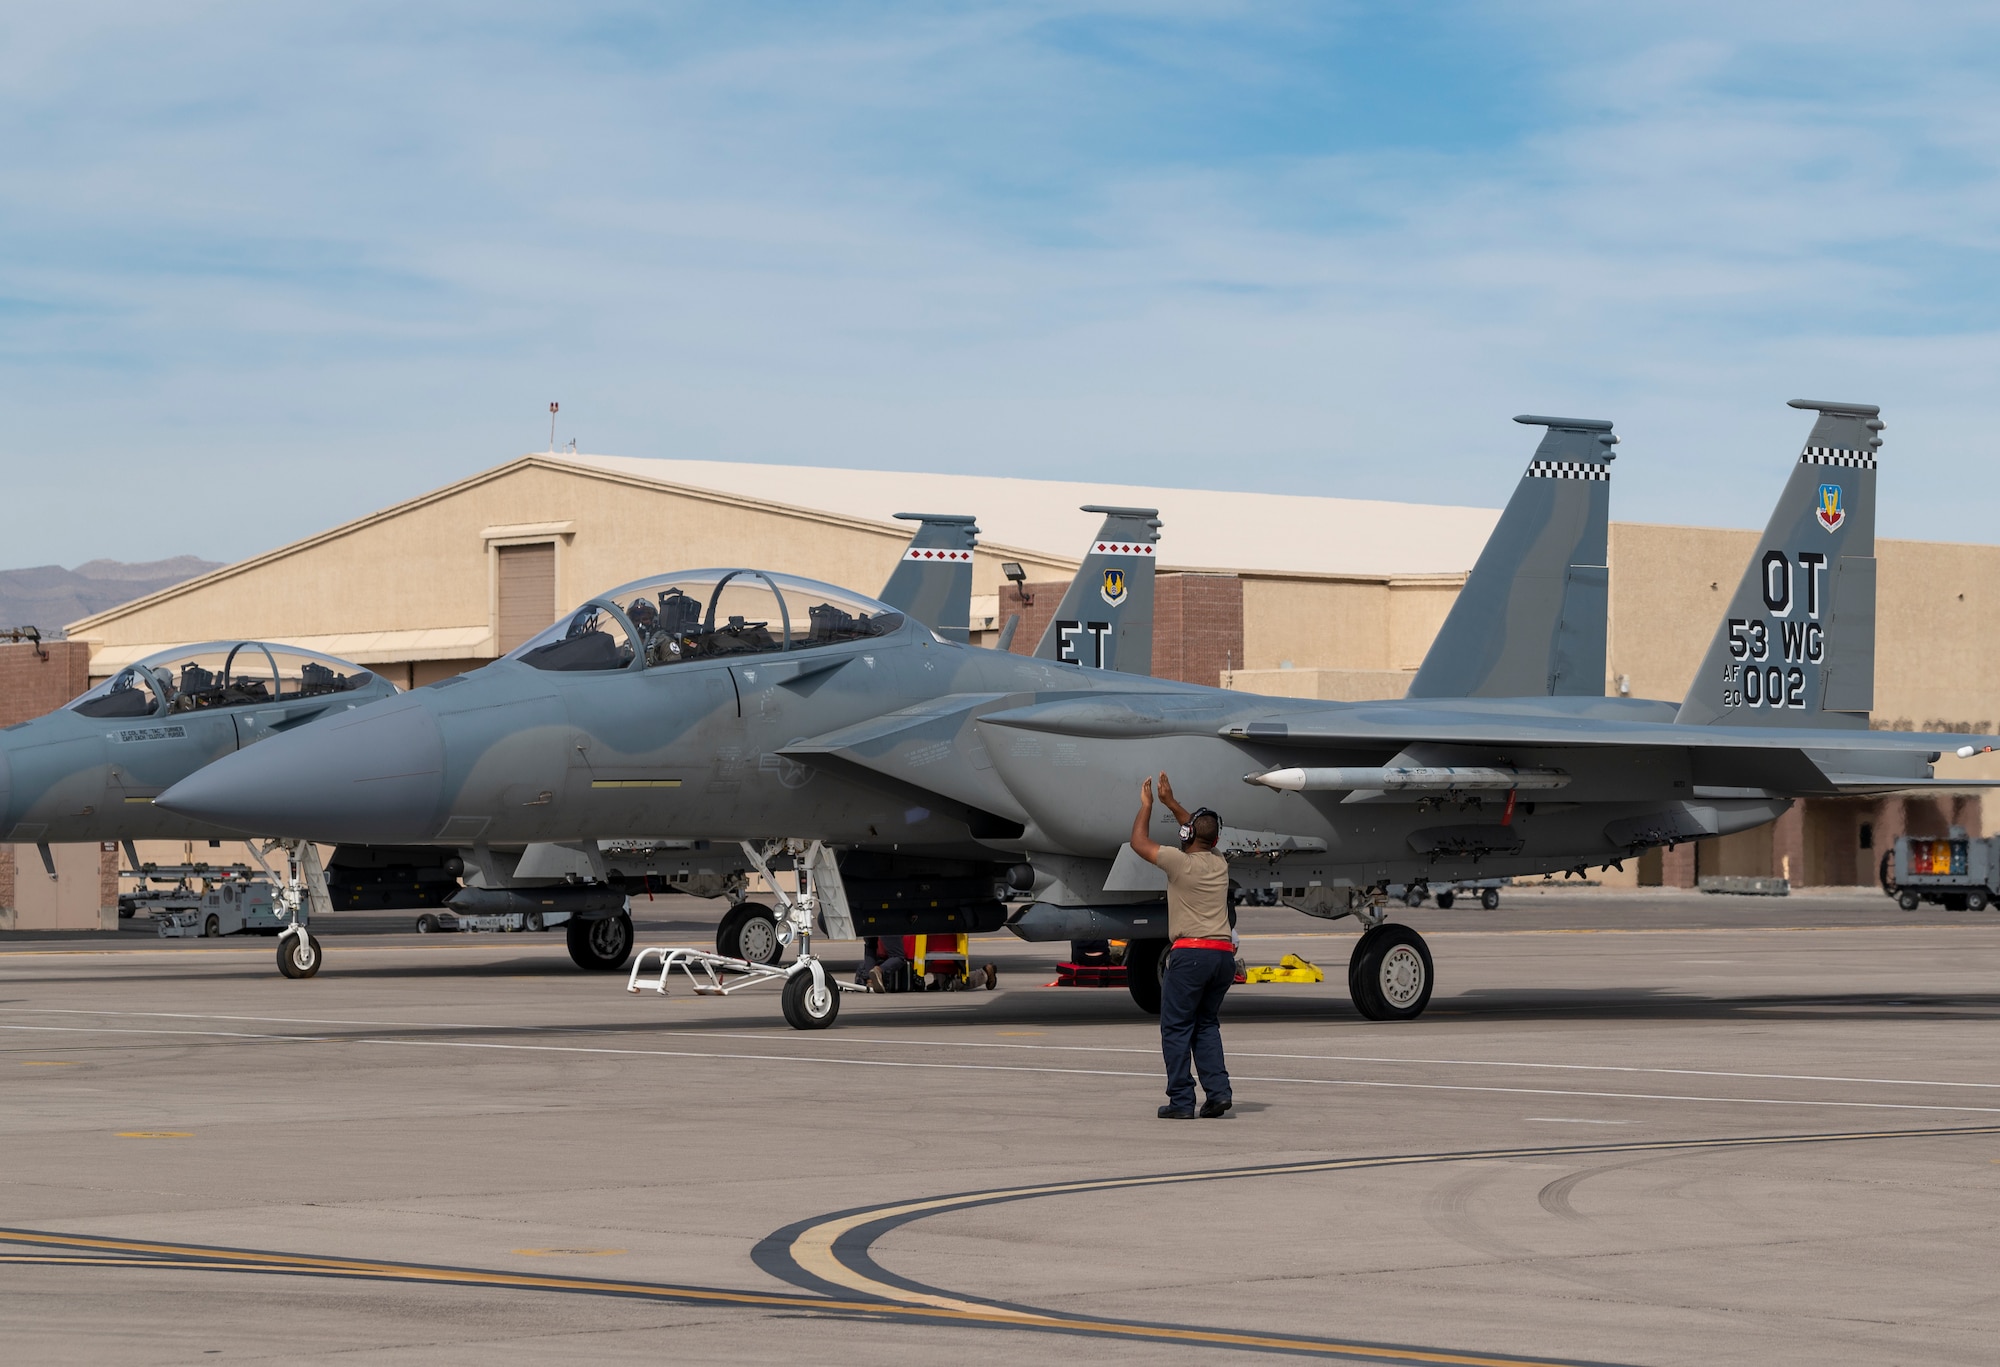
1290 969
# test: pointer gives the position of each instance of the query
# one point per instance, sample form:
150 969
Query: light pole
552 427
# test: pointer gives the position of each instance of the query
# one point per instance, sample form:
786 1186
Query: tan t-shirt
1197 894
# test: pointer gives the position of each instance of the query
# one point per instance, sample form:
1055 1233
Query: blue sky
267 267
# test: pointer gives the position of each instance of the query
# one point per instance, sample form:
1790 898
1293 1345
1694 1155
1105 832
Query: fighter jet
763 706
90 770
1104 616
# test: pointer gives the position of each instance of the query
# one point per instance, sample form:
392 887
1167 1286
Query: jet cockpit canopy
706 615
219 674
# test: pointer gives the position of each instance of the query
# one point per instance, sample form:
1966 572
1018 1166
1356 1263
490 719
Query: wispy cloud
276 267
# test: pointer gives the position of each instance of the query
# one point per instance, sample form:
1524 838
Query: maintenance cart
204 901
1958 872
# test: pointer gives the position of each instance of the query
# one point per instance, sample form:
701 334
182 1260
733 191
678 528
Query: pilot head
643 614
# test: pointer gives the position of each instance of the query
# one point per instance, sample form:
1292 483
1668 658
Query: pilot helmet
643 614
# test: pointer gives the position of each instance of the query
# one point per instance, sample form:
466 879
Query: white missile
1408 779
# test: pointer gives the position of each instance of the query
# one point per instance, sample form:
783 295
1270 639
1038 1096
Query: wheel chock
1290 969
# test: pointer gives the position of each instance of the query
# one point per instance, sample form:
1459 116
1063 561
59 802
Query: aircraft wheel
1145 970
1975 900
1490 898
749 932
299 956
1389 975
602 945
810 1007
1445 899
1907 900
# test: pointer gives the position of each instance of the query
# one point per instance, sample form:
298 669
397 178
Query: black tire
1389 975
807 1008
1907 900
725 933
1976 900
1413 896
427 924
602 945
532 921
1145 970
299 956
1490 898
749 932
1445 899
212 927
1885 872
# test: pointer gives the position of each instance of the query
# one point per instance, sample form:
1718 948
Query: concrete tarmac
1632 1128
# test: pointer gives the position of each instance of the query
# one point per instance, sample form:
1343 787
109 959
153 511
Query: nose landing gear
301 894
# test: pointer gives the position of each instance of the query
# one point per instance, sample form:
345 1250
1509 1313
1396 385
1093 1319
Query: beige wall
82 896
1343 622
1937 639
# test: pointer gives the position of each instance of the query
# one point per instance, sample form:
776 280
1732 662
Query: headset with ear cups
1187 827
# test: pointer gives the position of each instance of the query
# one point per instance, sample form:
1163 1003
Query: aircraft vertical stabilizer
1105 621
1797 646
1530 620
933 581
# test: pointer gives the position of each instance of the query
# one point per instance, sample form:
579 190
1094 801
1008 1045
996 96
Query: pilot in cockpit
164 677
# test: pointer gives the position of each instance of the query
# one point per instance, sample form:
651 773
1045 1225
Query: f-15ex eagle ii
936 776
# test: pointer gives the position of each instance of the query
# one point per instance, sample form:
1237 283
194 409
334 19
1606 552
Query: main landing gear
1389 975
601 945
749 931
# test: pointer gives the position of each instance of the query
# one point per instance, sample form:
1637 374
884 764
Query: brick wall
30 685
1035 616
1197 627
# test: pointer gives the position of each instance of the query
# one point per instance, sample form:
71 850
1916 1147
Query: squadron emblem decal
1114 590
1829 512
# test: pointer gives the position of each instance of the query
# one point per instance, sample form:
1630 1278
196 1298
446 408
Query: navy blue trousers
1191 1022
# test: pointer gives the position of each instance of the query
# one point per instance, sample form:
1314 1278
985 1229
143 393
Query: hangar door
527 591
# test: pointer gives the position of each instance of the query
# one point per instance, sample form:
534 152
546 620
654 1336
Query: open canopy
706 615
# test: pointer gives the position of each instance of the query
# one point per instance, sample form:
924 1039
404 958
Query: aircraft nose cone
373 776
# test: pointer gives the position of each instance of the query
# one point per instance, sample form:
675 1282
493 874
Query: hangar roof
1205 528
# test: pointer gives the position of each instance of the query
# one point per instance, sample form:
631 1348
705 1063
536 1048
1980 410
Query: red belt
1223 945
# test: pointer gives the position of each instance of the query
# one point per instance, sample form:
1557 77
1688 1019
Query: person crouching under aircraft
1202 964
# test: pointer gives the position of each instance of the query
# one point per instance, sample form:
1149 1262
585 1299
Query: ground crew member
1202 964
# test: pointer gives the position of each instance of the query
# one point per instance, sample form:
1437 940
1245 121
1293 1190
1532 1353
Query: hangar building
1284 594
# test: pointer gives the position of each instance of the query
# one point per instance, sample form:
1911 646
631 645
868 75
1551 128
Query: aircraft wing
930 748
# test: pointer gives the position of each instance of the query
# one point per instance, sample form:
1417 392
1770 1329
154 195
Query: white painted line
1150 1075
1571 1120
1043 1048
